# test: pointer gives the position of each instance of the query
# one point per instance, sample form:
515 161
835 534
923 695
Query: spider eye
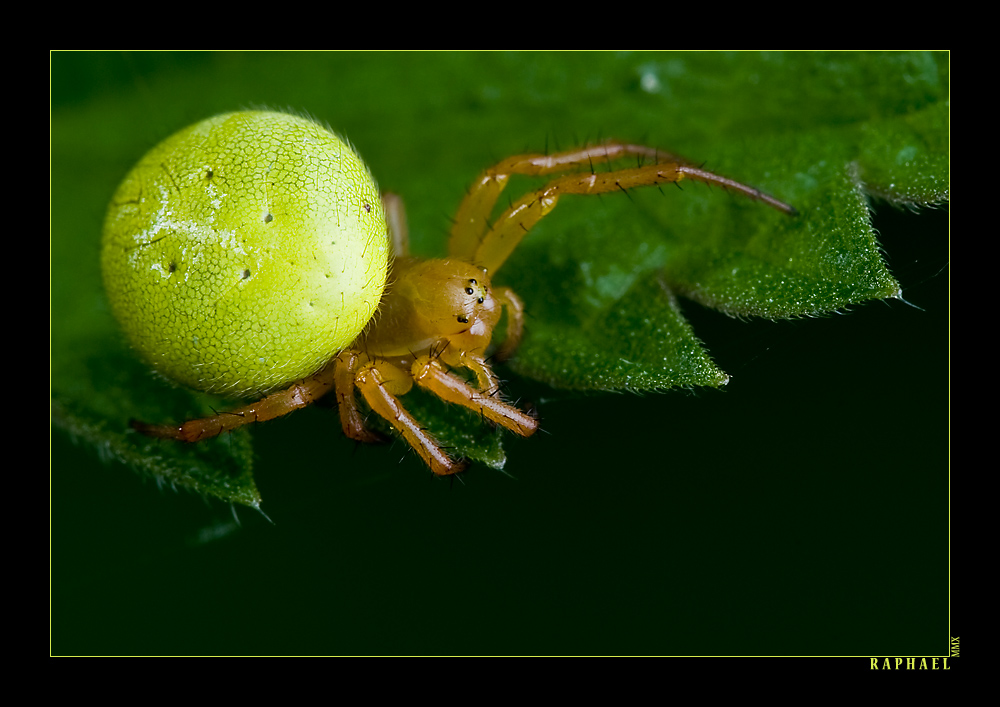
468 291
463 320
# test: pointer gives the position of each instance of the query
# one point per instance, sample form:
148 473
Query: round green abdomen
244 252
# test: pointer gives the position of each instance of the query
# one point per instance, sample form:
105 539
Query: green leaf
101 387
600 276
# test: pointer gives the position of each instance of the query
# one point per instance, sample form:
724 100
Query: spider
438 315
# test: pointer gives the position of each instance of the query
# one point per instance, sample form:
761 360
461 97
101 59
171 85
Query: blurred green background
803 509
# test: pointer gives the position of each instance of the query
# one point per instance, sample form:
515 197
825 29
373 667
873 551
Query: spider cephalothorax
435 317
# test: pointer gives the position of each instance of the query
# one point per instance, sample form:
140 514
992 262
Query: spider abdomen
245 251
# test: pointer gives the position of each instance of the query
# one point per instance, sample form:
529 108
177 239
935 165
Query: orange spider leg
299 395
399 231
380 385
500 241
515 322
351 419
472 240
486 379
471 219
430 375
